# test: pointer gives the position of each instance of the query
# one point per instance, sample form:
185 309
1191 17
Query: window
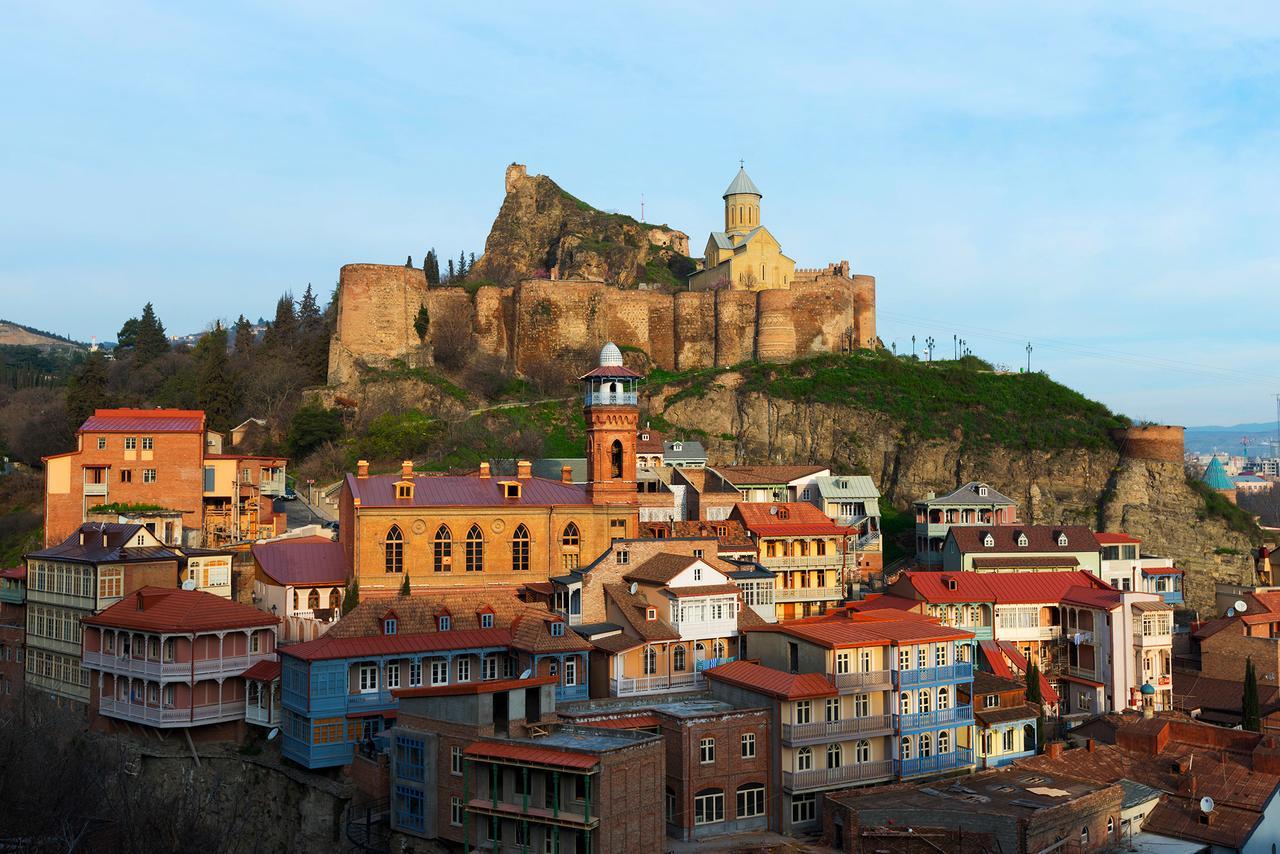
835 756
922 656
486 622
126 475
131 443
1006 740
1062 539
650 661
1084 835
102 443
444 622
926 745
455 811
557 629
924 701
833 709
944 698
1111 826
842 662
749 745
940 655
803 711
295 601
520 549
464 670
678 659
804 759
750 800
442 550
490 667
571 671
393 675
862 751
455 760
510 489
1022 539
944 741
393 550
475 550
368 678
708 805
804 808
697 571
904 703
988 541
904 747
651 614
439 673
148 475
624 557
111 582
707 751
415 673
991 701
861 705
986 744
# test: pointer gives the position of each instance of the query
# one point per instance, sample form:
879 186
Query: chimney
524 469
406 469
484 470
566 474
1054 749
1090 745
362 469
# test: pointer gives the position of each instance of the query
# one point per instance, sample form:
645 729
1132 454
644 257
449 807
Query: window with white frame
862 751
804 759
415 673
750 800
708 806
455 811
833 709
464 670
571 671
148 475
842 662
922 656
749 745
944 741
707 751
368 678
486 621
804 808
940 655
861 705
1006 740
440 673
803 712
393 674
490 667
455 760
904 658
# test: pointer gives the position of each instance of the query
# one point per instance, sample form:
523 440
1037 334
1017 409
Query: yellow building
745 256
475 530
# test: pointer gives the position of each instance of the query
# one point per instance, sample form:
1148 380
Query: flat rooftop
1007 791
586 739
680 706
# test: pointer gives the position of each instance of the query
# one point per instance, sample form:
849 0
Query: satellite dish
1231 612
527 673
634 588
189 584
1206 805
275 730
1241 606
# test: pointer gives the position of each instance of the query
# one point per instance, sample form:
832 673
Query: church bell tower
610 405
741 204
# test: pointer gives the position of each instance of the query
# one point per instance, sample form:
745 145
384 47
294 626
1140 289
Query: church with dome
745 256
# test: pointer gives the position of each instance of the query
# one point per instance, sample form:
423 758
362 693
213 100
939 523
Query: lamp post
1029 349
928 343
913 353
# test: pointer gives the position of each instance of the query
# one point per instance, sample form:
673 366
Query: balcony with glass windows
958 759
872 680
961 671
850 774
954 716
846 728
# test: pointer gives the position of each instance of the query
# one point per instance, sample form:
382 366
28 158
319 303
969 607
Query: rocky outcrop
542 231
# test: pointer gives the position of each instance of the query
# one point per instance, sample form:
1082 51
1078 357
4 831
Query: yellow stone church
745 256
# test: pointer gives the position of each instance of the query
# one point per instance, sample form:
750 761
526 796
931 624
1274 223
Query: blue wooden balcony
937 719
958 672
939 763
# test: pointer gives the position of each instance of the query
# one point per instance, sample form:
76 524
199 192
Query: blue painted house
340 690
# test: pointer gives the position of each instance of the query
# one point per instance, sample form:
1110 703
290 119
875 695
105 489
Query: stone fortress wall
823 311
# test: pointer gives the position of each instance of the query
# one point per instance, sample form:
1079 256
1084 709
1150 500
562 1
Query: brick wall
1224 653
631 799
687 775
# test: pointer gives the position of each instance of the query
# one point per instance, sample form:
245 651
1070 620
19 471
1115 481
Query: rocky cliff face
541 229
1096 486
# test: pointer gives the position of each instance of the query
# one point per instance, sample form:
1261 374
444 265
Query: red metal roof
1028 588
482 687
16 572
995 659
144 420
464 491
531 755
329 647
787 518
1092 597
848 628
1161 570
303 561
936 587
263 671
1107 539
786 686
159 609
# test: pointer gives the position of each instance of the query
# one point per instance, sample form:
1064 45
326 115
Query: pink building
174 658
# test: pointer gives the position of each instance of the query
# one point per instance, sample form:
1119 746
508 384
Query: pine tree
150 342
313 332
462 265
282 334
87 389
451 273
127 337
352 598
244 338
1250 709
471 262
215 381
431 267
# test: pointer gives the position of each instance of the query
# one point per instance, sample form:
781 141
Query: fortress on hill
569 278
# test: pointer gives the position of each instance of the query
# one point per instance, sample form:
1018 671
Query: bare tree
452 342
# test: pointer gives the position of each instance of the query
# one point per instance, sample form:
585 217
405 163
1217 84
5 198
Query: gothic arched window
475 550
313 599
393 550
520 549
442 550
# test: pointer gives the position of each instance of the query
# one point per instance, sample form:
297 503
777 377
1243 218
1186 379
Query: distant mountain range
16 335
1238 429
1226 438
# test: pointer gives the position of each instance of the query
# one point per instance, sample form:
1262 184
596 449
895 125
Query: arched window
520 549
1111 828
650 661
295 599
904 703
569 546
944 742
475 550
718 649
615 459
904 747
1028 737
923 701
393 550
313 599
335 599
862 751
944 698
677 658
804 759
835 756
926 745
442 550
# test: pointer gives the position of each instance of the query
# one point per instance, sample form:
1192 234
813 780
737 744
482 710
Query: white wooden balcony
174 670
159 716
807 594
829 562
874 680
95 488
841 730
853 772
627 686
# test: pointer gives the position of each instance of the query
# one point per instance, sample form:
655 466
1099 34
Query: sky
1100 182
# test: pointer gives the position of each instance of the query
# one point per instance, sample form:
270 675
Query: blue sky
1100 182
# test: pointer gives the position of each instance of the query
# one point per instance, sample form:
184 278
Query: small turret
610 405
741 204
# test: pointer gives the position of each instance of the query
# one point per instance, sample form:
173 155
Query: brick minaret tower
611 408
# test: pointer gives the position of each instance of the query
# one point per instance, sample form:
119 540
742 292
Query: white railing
601 398
836 730
866 540
705 629
807 594
95 488
874 679
262 716
829 562
172 716
854 772
114 663
628 685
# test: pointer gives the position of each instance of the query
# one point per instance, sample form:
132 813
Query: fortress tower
610 405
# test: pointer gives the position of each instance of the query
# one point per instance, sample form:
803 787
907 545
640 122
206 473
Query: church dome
610 356
742 184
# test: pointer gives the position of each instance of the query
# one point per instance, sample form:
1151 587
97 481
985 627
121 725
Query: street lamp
1029 349
928 342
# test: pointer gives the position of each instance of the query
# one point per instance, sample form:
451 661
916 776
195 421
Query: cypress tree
1250 708
150 342
462 265
1034 696
215 382
431 267
87 389
352 598
244 337
282 334
451 273
422 322
406 588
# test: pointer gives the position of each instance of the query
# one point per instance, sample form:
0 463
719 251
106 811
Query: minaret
741 204
610 406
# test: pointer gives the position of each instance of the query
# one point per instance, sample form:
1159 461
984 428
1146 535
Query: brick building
1225 644
13 630
94 568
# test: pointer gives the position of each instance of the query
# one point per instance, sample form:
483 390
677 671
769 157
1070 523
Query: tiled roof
1005 714
463 491
1106 538
303 561
1040 538
1193 690
144 421
489 686
263 671
968 494
528 754
661 568
734 533
741 476
615 644
789 518
160 609
652 445
776 683
633 608
115 550
843 629
748 618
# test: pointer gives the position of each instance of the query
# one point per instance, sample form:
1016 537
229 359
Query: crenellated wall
540 319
